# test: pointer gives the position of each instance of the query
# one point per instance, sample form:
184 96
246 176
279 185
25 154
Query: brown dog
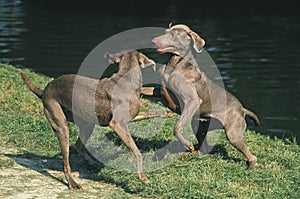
200 97
110 102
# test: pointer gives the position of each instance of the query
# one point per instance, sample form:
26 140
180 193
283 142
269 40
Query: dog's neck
182 60
129 78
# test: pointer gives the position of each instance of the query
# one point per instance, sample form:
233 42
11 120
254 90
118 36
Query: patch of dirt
21 182
43 178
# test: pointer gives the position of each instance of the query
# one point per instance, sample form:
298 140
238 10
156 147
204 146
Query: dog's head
130 59
178 39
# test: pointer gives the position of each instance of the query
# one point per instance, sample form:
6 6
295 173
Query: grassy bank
31 164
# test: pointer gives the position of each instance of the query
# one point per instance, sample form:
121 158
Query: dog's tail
36 90
252 115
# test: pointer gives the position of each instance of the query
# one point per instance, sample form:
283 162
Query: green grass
25 133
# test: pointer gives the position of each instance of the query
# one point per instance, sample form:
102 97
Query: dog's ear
112 58
145 61
198 41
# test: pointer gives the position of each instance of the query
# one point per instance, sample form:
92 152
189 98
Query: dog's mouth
166 50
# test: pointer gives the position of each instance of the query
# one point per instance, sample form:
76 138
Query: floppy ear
112 58
198 41
145 62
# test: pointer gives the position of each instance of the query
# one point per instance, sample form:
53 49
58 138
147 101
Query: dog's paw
74 186
143 178
252 163
170 114
191 148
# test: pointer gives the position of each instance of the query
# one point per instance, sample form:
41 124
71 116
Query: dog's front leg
148 115
190 109
171 103
122 130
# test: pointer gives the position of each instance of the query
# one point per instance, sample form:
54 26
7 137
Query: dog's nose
154 40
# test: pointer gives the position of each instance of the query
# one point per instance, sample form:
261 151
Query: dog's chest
174 76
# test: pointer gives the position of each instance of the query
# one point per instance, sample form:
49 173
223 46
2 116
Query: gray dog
199 95
110 102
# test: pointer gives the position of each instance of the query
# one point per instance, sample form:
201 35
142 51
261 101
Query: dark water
255 46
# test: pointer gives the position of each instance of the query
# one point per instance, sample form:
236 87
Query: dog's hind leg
200 129
201 126
85 131
122 130
234 132
57 119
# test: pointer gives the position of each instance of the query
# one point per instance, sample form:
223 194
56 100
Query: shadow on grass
220 150
42 164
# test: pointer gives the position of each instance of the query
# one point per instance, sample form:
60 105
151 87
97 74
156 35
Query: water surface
256 51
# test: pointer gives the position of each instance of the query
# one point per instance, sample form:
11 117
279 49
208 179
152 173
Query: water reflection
259 65
11 29
257 55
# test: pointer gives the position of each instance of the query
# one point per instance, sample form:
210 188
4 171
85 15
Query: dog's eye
171 33
174 32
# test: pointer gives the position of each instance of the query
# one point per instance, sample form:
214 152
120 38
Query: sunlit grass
25 131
